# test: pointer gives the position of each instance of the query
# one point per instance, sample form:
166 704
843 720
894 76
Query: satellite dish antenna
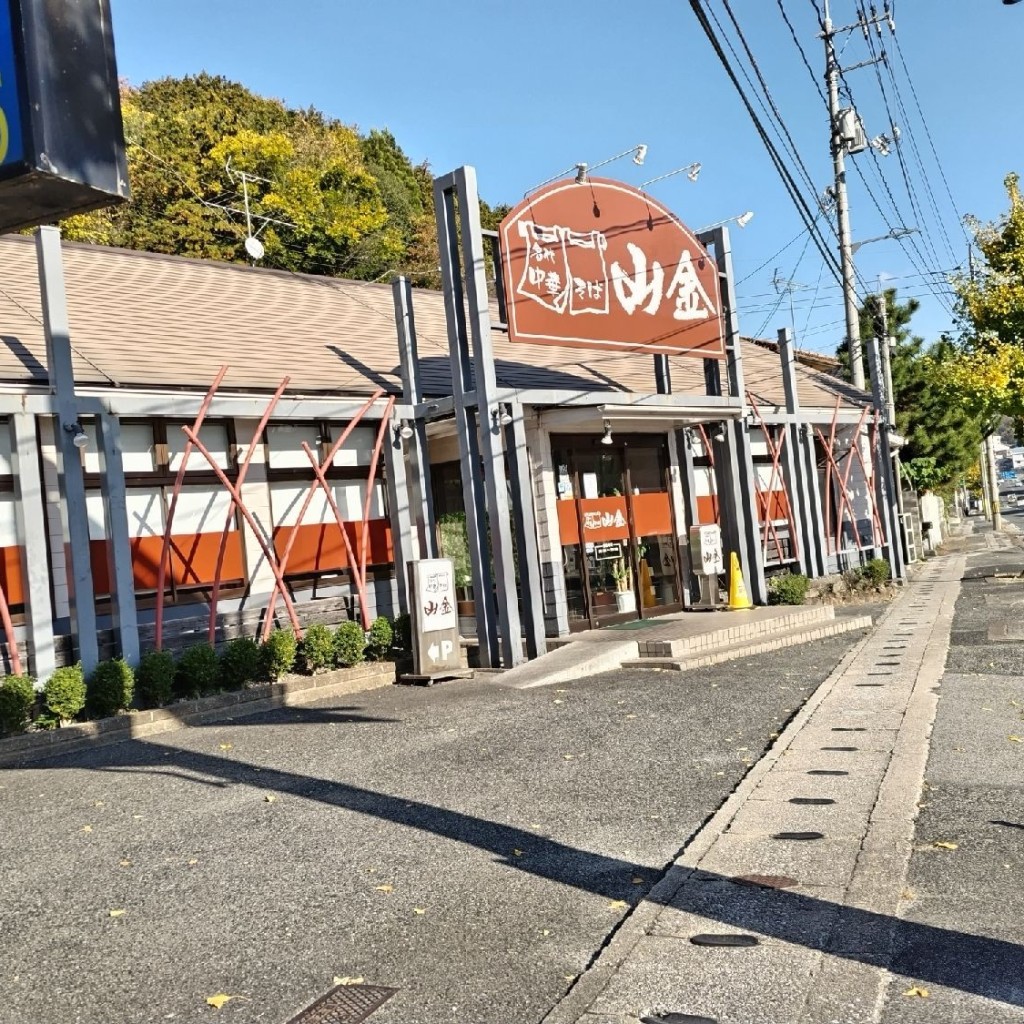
254 247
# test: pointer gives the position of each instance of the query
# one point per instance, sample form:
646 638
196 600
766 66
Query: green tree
942 436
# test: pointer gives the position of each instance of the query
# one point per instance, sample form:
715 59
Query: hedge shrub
349 644
154 679
316 649
877 572
17 696
380 639
240 663
789 588
110 688
197 672
64 693
278 653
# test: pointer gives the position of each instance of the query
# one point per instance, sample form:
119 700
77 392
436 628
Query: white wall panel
214 437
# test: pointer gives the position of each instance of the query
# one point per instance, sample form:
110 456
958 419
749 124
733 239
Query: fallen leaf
558 702
218 1000
125 863
1015 739
225 746
517 853
920 993
192 862
117 913
637 880
86 828
98 803
386 887
547 931
617 905
631 716
568 757
419 910
347 981
270 798
946 846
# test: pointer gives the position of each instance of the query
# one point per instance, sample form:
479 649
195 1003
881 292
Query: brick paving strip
825 938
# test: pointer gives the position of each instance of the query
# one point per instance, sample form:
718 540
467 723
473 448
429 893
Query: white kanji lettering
692 302
633 291
552 282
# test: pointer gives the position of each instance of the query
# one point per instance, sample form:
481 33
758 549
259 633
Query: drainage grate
839 748
732 941
677 1018
799 836
849 728
345 1004
812 801
827 771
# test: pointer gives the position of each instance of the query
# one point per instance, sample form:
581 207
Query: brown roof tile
149 320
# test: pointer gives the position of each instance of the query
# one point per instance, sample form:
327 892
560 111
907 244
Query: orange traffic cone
738 597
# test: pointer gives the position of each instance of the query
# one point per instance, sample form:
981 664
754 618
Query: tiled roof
149 320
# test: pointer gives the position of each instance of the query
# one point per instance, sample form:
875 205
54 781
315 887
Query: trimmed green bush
380 640
154 680
877 572
110 688
17 697
316 649
240 663
350 644
278 653
403 633
789 588
197 672
64 693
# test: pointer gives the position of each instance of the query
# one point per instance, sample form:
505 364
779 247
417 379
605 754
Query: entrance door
617 530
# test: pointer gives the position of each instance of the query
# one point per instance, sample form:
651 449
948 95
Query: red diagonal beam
242 472
775 447
286 554
247 515
161 572
382 430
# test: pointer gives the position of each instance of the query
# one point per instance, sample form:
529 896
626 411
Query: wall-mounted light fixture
692 171
500 416
582 170
79 438
607 439
718 434
406 431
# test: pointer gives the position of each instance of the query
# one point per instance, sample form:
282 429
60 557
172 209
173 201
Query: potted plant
625 599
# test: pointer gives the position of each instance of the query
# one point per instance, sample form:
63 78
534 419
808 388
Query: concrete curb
583 993
28 748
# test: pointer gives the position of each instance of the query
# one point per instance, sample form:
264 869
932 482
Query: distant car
974 506
1012 500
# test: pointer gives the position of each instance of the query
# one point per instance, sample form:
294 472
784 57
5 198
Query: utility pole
993 482
847 137
885 342
839 144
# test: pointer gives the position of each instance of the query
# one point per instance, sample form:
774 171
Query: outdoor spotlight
719 434
501 416
744 219
640 155
581 174
406 432
79 438
607 439
694 172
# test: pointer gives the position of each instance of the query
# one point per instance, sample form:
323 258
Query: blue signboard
11 141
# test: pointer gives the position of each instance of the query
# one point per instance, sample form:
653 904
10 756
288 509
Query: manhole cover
737 941
766 881
345 1004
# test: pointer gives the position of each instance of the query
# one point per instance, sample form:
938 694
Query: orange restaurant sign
603 265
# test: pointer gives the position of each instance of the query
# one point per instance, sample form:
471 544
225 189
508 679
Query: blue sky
524 90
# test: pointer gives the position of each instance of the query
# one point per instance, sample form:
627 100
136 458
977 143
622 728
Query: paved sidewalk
834 910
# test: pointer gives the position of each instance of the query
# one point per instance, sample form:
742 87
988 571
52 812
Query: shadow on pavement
980 966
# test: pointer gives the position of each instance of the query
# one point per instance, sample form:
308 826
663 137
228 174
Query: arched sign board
61 137
602 265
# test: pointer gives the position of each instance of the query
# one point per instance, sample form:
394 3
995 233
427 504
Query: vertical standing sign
434 617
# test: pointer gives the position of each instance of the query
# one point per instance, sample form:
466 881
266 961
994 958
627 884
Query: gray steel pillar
421 503
662 375
71 483
480 441
30 507
815 506
684 445
792 463
119 547
403 541
885 484
531 583
733 458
